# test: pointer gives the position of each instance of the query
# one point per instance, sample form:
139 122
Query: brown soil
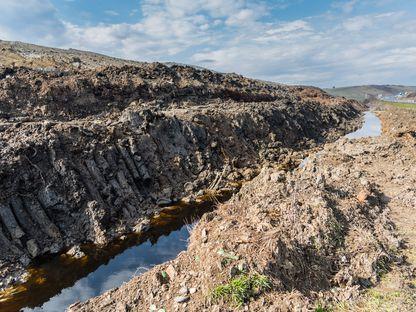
88 154
16 54
338 234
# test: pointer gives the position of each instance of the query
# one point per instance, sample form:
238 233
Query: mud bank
90 154
63 279
313 237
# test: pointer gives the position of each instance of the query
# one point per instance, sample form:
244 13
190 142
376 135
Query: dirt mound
289 241
16 54
27 94
87 155
395 123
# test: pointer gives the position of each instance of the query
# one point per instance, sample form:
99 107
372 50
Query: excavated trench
59 281
56 283
371 127
90 156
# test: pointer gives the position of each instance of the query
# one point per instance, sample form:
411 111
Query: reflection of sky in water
119 270
370 128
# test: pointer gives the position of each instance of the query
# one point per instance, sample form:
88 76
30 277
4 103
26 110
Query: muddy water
58 282
370 128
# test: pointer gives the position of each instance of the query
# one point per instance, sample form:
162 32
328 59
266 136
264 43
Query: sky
311 42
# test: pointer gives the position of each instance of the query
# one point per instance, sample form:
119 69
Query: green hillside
361 93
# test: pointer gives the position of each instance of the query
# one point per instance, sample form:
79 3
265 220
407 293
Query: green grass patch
400 105
321 307
382 301
240 289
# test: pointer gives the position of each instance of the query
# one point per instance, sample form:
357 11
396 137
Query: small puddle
370 128
58 282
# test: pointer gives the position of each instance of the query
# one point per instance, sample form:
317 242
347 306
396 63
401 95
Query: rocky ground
89 153
336 234
16 54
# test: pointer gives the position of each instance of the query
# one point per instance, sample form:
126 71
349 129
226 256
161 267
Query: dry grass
241 289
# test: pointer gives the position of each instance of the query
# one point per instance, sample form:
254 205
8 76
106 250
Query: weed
321 308
382 266
400 105
342 306
240 289
336 233
228 257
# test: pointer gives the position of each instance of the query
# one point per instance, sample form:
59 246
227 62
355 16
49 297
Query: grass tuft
400 105
322 308
240 289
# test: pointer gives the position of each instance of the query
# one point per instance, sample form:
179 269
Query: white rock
183 291
192 290
181 299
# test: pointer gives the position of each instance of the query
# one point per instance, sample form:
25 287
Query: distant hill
361 93
14 53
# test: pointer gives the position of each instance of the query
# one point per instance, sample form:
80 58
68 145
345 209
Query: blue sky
314 42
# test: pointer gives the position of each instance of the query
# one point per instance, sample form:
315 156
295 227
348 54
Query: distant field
360 93
400 105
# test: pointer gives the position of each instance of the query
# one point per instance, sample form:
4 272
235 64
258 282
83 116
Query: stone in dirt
170 270
183 291
181 299
76 252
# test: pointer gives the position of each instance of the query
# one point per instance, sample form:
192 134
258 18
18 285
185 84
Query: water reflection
370 128
59 281
122 268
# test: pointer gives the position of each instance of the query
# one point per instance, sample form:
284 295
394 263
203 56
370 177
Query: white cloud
346 7
298 52
111 13
290 27
233 36
240 18
46 28
361 22
169 27
133 12
285 31
357 23
181 8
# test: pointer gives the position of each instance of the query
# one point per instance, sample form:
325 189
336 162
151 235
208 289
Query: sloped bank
57 282
87 156
290 241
